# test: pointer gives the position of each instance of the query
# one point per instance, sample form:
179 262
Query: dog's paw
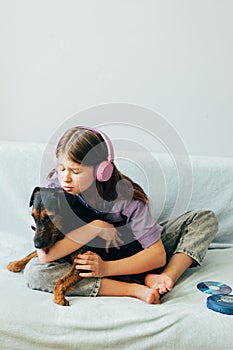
66 303
61 301
14 266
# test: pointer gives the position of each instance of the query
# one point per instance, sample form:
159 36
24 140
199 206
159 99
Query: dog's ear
36 189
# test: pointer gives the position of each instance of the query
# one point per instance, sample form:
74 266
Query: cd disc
221 303
212 287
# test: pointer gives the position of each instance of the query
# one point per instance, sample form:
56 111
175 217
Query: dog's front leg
19 265
65 284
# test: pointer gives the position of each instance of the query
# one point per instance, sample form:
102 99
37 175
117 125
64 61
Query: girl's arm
148 259
79 237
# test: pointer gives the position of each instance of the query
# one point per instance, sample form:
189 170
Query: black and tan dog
56 213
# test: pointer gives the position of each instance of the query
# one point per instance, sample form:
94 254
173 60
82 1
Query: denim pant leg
190 234
43 277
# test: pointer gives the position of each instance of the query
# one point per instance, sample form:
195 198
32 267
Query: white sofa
30 320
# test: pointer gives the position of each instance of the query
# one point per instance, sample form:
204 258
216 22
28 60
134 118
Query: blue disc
221 303
213 287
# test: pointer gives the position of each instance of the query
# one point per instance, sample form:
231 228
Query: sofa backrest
174 185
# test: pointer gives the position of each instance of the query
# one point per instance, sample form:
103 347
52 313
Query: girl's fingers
115 243
84 267
118 237
87 274
83 262
117 240
85 259
120 240
86 256
107 244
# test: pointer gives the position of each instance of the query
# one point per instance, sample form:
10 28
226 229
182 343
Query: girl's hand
93 262
109 233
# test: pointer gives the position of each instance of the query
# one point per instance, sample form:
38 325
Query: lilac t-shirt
139 218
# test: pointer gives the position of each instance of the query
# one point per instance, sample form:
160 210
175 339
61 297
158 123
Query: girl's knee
32 274
210 217
38 276
42 276
209 221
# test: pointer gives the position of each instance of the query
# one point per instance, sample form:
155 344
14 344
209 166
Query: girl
142 259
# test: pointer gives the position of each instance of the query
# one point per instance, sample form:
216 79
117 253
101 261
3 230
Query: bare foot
160 283
149 295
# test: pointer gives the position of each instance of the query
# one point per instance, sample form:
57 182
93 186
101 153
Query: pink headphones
103 170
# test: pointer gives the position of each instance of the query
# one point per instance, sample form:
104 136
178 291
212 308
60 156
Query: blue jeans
191 234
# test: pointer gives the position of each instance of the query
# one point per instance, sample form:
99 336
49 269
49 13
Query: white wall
59 57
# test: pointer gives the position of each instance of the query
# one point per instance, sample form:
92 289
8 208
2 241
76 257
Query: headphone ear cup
104 171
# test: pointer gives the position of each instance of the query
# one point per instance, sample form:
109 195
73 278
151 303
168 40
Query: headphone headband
106 140
103 170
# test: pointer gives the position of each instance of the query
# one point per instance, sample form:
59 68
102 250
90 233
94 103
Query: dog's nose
39 243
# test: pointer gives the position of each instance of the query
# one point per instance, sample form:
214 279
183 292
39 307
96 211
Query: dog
56 213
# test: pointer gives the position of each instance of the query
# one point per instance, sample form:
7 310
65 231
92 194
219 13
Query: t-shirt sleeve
144 227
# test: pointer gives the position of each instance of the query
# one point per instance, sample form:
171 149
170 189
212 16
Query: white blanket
30 320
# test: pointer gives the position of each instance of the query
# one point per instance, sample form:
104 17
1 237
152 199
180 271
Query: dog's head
56 213
45 204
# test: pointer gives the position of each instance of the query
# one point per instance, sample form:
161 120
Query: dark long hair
89 148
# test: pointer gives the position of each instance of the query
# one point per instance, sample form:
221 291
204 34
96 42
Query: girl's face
73 177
